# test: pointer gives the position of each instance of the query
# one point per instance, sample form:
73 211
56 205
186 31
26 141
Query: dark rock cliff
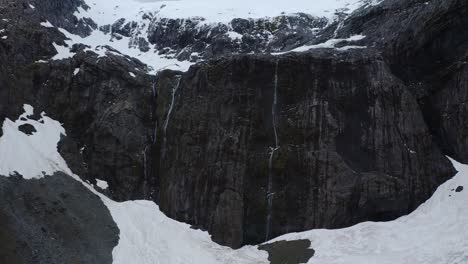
352 145
254 146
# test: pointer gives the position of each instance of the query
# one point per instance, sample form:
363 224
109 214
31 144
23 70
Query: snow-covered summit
176 34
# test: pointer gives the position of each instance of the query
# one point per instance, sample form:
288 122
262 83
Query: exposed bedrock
54 220
447 111
426 45
107 113
353 145
418 38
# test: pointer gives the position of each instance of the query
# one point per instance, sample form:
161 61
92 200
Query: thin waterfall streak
270 192
153 89
166 122
273 106
174 91
155 127
145 173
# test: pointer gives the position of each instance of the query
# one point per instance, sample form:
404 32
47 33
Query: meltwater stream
270 192
168 117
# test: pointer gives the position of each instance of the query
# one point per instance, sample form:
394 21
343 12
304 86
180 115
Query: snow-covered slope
436 233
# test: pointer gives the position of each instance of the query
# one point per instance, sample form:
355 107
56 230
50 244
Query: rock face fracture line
168 117
270 192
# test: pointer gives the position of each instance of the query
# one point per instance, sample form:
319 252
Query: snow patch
234 35
47 24
32 156
62 52
102 184
98 41
329 44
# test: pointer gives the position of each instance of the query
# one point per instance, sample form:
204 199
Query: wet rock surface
353 145
53 220
288 252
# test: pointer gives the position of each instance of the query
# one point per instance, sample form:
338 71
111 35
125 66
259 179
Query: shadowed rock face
288 252
425 44
54 220
419 38
106 112
353 145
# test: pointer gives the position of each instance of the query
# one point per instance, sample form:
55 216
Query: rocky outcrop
446 109
107 112
352 145
53 220
191 39
418 38
105 103
425 44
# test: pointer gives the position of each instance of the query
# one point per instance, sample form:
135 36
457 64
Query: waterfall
155 127
273 105
168 117
145 173
153 88
270 192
